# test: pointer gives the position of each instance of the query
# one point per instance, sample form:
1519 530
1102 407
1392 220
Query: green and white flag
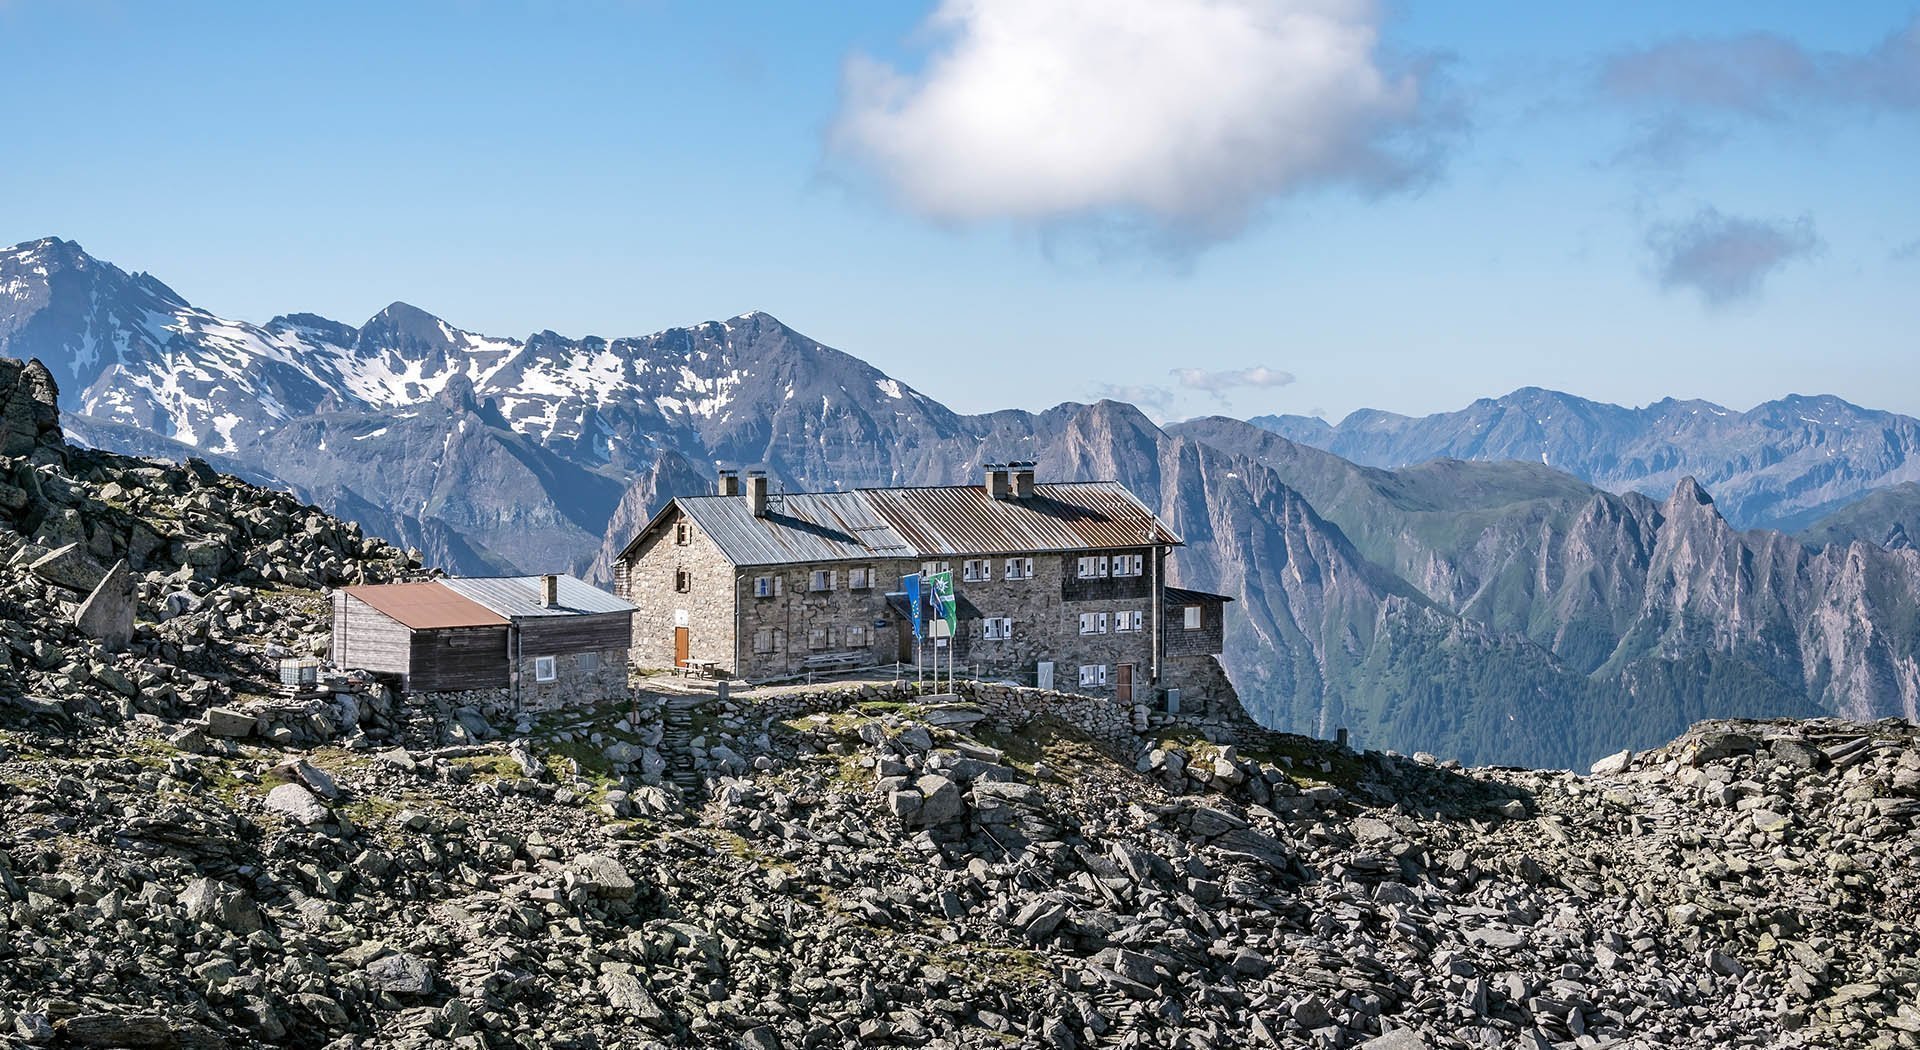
945 606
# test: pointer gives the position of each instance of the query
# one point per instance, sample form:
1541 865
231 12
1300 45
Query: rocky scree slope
224 578
887 873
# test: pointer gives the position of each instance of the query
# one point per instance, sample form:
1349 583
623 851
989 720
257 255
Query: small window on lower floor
1192 617
1093 674
683 580
589 662
857 636
545 669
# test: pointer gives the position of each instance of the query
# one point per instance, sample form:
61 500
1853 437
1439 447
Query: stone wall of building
580 680
777 631
1046 614
651 581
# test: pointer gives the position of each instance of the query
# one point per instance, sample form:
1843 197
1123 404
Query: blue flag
911 585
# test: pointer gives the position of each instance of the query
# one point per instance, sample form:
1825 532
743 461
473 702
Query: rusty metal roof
799 527
426 606
963 519
915 523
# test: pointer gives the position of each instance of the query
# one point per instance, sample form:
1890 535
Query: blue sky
1623 201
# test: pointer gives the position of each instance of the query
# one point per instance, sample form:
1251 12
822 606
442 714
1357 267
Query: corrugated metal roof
426 606
518 597
915 523
963 519
799 527
1183 596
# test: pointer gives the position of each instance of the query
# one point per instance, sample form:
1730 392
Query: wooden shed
432 638
552 640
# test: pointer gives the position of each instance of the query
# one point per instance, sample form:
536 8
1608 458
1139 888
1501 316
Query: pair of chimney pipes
1012 480
756 489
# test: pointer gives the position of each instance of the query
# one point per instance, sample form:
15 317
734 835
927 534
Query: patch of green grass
1302 756
1063 748
490 767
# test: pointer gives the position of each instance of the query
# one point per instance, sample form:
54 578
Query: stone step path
676 745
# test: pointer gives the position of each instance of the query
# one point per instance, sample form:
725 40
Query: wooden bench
831 661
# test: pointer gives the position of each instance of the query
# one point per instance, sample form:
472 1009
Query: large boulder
107 614
29 408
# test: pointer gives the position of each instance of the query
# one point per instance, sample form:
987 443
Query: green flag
944 602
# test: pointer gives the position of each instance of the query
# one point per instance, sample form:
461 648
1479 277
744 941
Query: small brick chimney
549 591
998 484
757 493
729 482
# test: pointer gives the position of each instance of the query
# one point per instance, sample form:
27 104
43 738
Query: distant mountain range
1492 611
1782 465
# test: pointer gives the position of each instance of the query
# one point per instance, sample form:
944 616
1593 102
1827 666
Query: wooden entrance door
1123 683
682 646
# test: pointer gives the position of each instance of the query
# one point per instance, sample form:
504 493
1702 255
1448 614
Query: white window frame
546 669
997 628
1086 623
814 579
766 586
1100 620
1093 674
928 568
1019 568
859 578
1126 621
1128 565
976 570
1191 617
1093 567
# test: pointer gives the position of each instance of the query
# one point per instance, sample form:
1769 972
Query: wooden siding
459 658
367 639
560 635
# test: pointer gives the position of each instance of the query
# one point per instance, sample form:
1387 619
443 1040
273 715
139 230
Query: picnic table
700 669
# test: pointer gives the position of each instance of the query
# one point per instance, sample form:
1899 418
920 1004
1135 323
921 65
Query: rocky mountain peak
1688 493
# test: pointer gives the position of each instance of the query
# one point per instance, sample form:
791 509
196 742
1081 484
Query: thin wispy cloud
1156 400
1184 117
1219 384
1767 76
1725 258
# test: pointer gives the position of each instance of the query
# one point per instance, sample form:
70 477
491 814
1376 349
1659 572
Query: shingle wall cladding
649 580
797 610
1205 640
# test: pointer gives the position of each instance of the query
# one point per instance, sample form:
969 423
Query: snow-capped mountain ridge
130 350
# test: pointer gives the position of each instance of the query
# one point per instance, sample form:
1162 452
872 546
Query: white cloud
1221 382
1183 115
